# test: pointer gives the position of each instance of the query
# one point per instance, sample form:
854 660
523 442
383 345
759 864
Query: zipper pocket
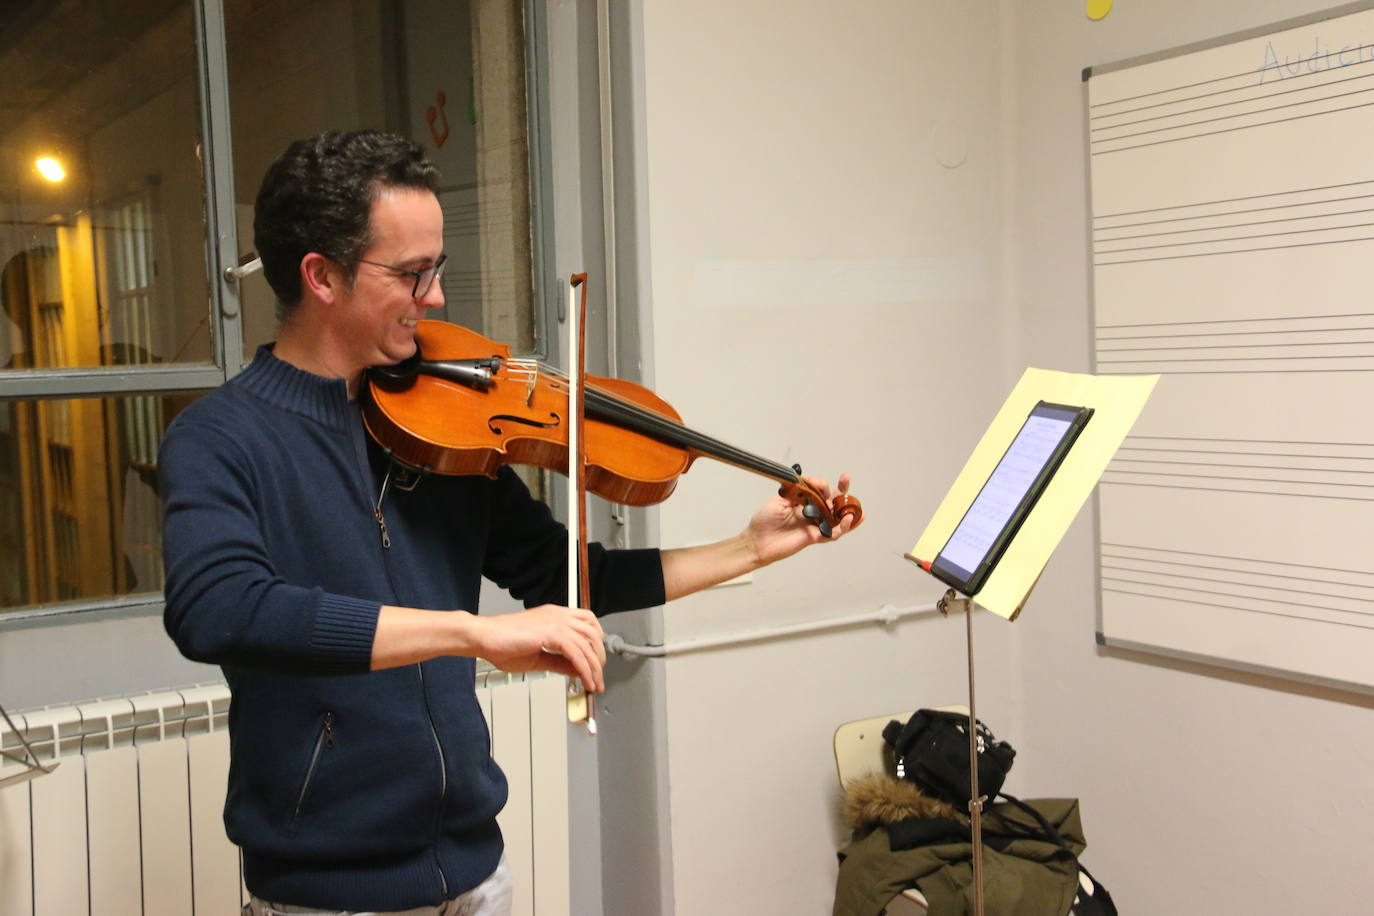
323 741
443 778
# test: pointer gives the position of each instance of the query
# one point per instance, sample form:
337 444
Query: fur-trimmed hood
875 801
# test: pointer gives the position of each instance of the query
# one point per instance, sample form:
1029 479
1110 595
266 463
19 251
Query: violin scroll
826 516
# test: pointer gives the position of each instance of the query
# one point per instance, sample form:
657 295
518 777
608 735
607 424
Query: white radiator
130 822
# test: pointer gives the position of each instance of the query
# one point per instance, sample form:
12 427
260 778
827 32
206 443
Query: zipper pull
329 730
381 524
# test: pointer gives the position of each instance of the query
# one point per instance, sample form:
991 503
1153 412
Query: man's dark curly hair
318 197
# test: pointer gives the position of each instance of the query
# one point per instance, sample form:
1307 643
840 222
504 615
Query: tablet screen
982 535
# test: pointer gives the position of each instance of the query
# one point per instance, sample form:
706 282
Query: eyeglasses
424 277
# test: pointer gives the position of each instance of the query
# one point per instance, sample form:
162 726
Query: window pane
450 74
80 517
102 239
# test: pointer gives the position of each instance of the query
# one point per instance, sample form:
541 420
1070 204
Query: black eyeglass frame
434 270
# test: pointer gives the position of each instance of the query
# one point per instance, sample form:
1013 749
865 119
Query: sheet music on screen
1004 490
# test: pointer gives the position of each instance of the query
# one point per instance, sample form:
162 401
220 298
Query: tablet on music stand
1007 497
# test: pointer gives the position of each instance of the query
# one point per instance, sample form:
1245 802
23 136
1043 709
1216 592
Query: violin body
463 405
447 427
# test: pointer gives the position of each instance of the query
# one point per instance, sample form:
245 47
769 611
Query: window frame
225 322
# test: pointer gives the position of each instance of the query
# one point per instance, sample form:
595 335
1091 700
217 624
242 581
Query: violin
463 405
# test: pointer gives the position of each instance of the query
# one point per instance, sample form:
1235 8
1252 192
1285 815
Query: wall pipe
887 615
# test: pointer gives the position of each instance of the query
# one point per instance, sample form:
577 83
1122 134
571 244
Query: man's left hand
779 529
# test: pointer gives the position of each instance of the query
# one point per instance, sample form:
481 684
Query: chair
861 751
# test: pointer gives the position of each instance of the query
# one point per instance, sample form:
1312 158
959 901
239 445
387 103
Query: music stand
1011 505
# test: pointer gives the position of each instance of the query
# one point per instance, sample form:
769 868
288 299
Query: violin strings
654 425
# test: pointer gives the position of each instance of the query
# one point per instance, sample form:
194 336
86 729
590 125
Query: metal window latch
235 274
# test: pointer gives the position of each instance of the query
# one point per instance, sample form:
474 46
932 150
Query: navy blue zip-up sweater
348 788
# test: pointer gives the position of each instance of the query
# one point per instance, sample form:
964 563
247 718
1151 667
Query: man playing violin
344 613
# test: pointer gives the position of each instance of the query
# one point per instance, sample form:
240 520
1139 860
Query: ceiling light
51 169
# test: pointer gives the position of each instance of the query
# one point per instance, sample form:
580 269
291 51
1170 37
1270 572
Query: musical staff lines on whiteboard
1331 470
1317 343
1296 217
1234 102
1332 596
1352 190
1231 191
1349 59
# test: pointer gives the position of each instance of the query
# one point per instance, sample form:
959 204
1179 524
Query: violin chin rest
397 376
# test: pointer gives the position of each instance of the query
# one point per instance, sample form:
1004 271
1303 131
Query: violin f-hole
527 421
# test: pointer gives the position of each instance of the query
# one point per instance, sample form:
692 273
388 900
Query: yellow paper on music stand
1116 401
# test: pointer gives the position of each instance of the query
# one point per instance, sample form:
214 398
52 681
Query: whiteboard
1232 241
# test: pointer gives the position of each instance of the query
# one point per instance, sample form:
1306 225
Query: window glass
449 74
80 517
102 241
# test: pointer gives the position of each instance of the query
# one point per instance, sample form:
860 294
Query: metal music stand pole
952 601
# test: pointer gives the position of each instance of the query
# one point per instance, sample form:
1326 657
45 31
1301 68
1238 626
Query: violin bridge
529 371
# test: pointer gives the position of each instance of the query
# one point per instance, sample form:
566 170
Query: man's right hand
545 638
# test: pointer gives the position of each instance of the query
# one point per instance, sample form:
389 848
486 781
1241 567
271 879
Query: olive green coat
1026 878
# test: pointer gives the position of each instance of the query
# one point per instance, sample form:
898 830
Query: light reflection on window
106 266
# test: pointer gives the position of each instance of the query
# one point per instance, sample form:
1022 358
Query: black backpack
932 751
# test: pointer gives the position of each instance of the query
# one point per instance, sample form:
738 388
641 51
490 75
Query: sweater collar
276 381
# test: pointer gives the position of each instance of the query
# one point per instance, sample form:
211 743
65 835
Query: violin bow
581 709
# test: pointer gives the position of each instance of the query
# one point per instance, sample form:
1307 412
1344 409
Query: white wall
1204 791
823 290
815 279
